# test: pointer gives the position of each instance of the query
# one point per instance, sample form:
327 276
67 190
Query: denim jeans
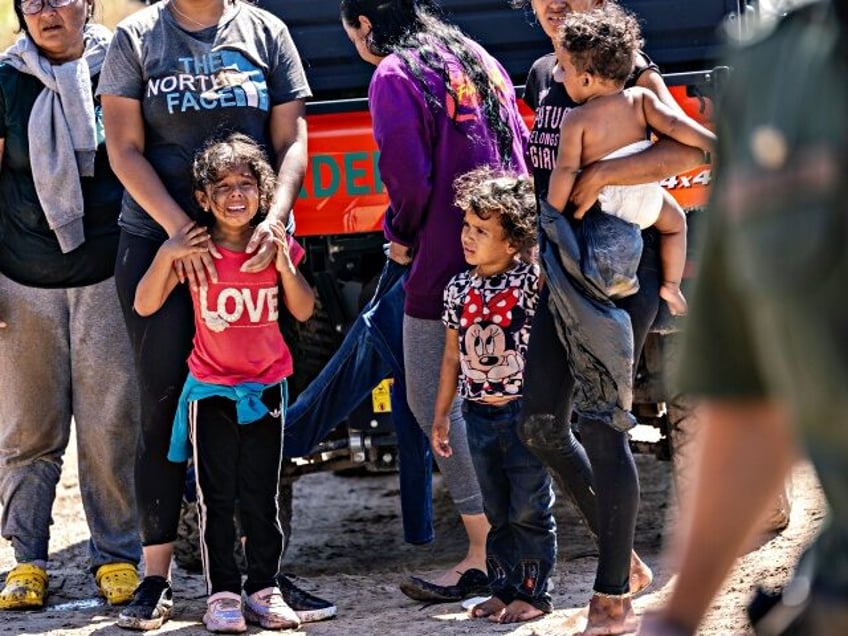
371 351
518 500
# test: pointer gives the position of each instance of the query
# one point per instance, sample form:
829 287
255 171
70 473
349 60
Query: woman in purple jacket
441 106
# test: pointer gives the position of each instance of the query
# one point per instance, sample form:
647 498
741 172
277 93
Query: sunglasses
31 7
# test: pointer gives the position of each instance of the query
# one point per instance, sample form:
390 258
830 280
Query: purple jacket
422 151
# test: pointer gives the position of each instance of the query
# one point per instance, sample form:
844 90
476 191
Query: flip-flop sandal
473 582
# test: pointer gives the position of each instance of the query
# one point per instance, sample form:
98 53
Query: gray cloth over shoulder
586 264
62 129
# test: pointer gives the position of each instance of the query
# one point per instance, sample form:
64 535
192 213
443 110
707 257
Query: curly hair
219 157
489 192
603 42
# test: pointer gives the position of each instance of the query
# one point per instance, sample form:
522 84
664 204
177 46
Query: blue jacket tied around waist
586 264
249 408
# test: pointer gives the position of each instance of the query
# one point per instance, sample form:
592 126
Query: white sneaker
268 609
223 614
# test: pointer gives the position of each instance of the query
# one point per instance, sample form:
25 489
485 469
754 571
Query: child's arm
448 377
567 165
671 123
160 279
297 294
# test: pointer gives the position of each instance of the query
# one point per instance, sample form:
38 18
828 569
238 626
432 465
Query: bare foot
517 612
610 615
670 293
640 574
451 575
490 607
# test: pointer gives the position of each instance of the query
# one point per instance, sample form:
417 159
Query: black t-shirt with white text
551 102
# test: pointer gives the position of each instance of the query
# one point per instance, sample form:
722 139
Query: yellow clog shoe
25 588
117 582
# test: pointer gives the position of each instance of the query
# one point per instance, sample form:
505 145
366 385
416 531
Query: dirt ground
347 546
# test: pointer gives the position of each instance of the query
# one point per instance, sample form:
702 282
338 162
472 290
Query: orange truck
341 205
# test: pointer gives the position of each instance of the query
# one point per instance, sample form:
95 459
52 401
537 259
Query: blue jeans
518 500
371 351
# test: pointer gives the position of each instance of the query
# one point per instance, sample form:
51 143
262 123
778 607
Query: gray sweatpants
64 353
423 348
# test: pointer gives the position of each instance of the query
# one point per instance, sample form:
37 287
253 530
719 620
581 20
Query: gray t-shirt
193 86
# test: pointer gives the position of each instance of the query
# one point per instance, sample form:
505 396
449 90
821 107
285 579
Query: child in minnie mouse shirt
488 311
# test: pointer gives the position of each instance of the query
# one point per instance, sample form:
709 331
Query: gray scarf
62 130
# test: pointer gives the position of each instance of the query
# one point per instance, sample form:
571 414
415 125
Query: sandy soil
347 546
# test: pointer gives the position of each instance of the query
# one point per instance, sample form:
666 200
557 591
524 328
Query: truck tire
187 545
682 433
682 428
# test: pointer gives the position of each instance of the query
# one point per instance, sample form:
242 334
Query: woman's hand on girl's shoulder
283 261
262 245
189 239
194 253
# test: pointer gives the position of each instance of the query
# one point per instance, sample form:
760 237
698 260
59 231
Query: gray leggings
423 347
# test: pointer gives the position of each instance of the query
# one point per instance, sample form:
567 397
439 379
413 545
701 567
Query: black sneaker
308 607
150 607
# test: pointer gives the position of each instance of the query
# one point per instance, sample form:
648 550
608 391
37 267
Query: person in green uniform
766 344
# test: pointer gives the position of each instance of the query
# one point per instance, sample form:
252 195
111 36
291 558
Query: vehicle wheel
285 499
187 545
682 432
682 429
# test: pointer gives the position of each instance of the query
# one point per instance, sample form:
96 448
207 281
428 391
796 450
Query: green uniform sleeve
719 356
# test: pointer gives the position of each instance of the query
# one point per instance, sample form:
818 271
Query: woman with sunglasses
63 349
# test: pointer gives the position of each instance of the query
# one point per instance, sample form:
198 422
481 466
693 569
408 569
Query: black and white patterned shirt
492 316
